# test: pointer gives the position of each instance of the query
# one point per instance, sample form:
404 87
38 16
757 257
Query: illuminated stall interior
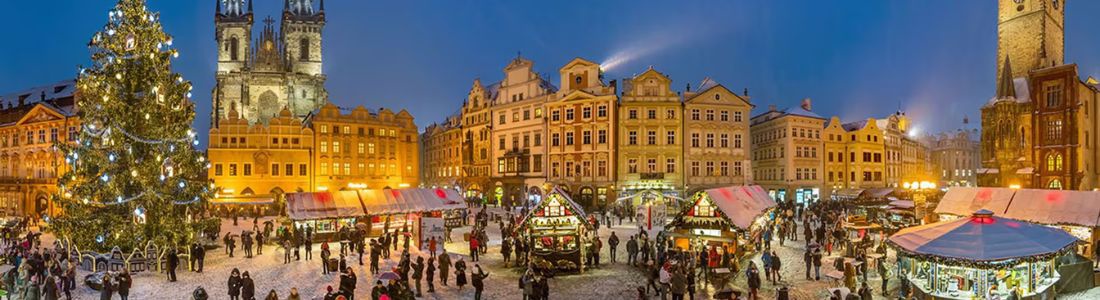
556 227
724 218
980 257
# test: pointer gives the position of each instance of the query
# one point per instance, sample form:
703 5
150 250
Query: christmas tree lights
136 120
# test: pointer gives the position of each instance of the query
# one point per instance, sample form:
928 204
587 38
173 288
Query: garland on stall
980 264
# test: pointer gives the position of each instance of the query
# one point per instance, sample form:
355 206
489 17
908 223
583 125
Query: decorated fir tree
133 174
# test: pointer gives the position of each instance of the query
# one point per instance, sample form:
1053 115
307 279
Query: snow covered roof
799 111
707 83
741 204
853 126
1023 93
324 205
1051 207
61 89
492 91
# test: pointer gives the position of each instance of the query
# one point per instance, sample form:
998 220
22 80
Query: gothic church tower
1031 34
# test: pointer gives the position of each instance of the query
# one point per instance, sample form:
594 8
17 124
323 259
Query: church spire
217 7
322 5
1005 87
250 6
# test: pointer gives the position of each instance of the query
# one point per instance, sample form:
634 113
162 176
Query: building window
586 137
586 112
724 140
72 133
301 169
362 148
737 141
694 168
710 140
323 169
568 138
1054 162
601 136
303 44
501 143
1053 95
335 147
651 165
247 169
601 111
670 139
218 170
670 114
554 139
651 137
347 169
710 168
695 115
737 116
1055 184
652 114
601 168
632 138
324 147
724 116
502 119
53 135
538 139
568 114
670 165
555 115
632 166
695 140
536 163
632 114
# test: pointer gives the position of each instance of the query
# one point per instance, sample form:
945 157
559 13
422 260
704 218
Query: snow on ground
610 281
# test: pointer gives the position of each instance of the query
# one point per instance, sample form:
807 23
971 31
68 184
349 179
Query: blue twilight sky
935 59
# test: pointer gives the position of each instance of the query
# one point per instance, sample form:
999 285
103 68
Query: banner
432 227
652 217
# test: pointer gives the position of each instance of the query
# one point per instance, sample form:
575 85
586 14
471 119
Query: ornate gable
40 113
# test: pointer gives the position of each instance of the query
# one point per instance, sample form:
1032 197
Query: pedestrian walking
460 273
248 287
753 277
124 284
776 264
418 272
444 266
478 281
234 284
431 275
612 244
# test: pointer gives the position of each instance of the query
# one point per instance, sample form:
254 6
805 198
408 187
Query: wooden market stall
419 212
556 228
325 212
724 218
981 257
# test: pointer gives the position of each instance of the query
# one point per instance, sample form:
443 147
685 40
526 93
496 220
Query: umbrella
389 276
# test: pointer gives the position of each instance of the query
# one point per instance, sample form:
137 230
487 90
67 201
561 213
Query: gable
40 113
724 97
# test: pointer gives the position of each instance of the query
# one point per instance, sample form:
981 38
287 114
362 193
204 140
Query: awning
848 193
1050 207
1025 171
324 205
963 201
989 171
741 204
398 201
905 204
878 192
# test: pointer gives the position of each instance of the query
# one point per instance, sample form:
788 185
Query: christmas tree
133 174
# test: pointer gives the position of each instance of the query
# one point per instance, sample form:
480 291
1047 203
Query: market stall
982 256
325 212
900 214
556 228
419 212
724 218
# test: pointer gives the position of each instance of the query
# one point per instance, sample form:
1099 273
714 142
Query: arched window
1054 162
1055 184
303 45
233 45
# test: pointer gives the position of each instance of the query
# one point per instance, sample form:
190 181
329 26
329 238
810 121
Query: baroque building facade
1039 129
956 157
277 70
517 114
651 147
442 164
477 142
716 126
787 153
581 128
31 122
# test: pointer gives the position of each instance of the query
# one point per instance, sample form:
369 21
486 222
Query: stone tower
301 32
1031 34
279 69
233 30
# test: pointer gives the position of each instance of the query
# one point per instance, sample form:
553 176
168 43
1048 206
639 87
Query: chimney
614 84
746 92
771 107
806 104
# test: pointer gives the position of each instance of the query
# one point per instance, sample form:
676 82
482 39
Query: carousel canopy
983 238
1052 207
324 205
741 204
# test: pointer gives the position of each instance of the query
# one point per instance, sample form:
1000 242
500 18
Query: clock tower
1031 34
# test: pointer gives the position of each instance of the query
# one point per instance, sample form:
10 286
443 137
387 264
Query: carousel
556 228
726 219
982 257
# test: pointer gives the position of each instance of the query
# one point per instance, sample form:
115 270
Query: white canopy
1051 207
324 205
741 204
396 201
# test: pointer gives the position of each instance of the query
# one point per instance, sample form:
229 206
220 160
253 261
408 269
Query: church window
1053 95
304 47
1055 184
1054 162
233 45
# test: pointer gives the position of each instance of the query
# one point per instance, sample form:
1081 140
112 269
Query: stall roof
1051 207
324 205
848 193
983 238
878 192
741 204
963 201
396 201
904 204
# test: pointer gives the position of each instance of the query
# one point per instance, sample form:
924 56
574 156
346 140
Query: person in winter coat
347 283
612 243
478 281
678 285
631 251
49 289
418 272
248 287
444 266
271 295
235 284
431 275
106 289
817 264
378 290
753 277
294 294
776 265
173 263
474 248
808 258
124 284
460 273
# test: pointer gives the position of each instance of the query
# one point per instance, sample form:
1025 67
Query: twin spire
234 8
302 7
1005 86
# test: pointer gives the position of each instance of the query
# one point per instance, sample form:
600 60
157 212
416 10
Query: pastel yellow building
364 149
787 152
582 134
477 140
716 126
651 149
31 121
256 164
860 150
